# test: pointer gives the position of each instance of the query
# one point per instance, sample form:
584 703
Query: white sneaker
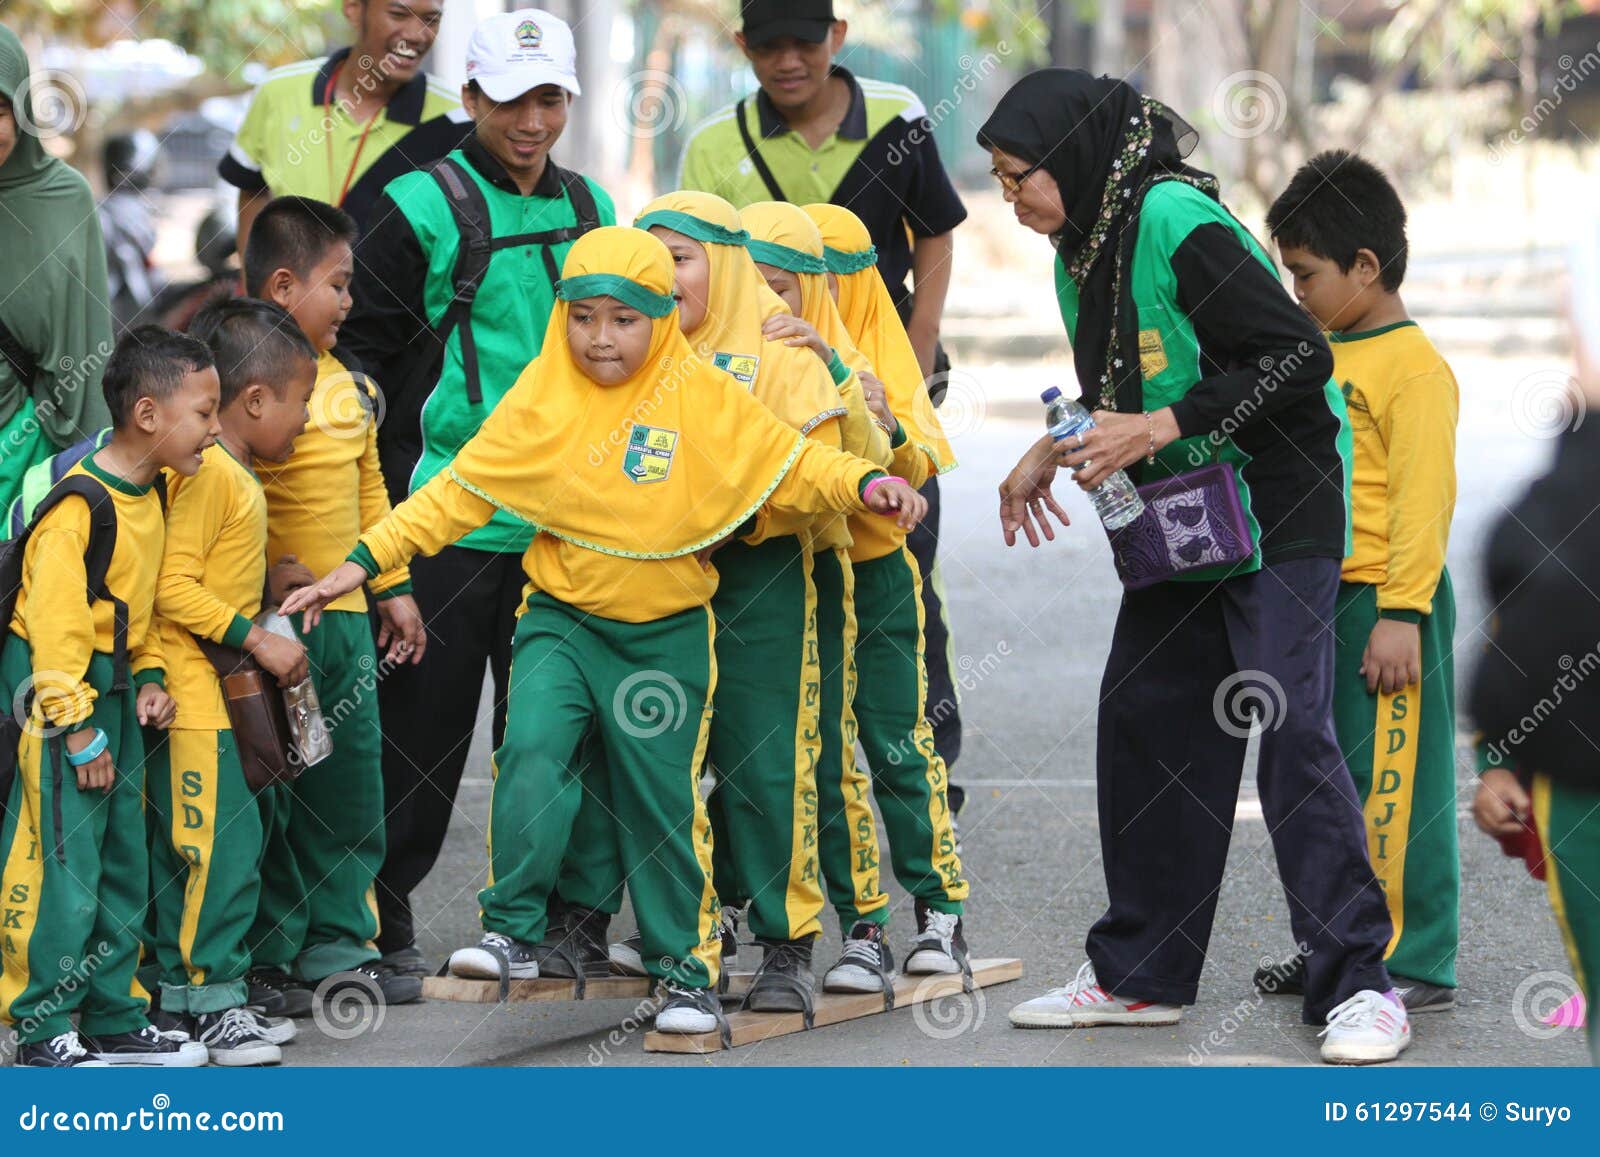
866 963
686 1010
1367 1029
1083 1003
484 960
278 1030
234 1038
627 956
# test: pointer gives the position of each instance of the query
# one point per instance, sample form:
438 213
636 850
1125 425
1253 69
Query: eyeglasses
1012 182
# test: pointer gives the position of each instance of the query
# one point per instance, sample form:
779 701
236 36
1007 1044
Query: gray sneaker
1420 996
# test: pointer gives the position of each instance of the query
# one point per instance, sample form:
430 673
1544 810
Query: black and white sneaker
576 940
939 946
65 1051
1281 978
407 961
1420 996
174 1026
627 955
236 1038
865 965
688 1010
147 1047
784 982
496 957
376 980
273 992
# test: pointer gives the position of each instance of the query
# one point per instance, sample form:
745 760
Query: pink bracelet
867 493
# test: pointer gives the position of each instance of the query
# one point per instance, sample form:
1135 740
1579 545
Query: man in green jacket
445 326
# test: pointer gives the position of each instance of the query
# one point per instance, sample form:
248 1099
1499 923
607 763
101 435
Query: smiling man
447 327
342 128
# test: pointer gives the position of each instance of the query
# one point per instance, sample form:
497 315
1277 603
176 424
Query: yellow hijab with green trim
790 381
640 469
874 325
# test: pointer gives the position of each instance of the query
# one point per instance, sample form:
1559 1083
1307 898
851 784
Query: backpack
478 245
41 477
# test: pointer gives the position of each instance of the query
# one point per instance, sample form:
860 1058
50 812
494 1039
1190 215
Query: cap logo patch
529 35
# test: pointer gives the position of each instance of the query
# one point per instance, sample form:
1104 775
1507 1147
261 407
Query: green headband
691 226
630 293
842 261
794 260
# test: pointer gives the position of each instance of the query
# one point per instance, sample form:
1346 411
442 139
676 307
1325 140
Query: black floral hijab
1105 145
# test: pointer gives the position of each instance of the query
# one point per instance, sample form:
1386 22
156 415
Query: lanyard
361 143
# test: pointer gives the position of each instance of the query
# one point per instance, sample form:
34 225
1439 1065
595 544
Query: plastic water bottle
307 726
1115 500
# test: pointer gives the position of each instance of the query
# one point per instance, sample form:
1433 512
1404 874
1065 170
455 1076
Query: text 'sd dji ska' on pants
764 737
1170 752
469 599
1401 753
317 913
73 883
909 779
848 831
206 864
646 689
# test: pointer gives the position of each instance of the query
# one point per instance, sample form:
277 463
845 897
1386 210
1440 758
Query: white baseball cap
517 51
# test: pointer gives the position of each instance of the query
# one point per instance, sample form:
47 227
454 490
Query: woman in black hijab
1191 354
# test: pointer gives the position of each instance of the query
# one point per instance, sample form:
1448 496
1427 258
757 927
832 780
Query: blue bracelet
96 745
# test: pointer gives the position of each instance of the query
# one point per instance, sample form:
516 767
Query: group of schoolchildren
738 537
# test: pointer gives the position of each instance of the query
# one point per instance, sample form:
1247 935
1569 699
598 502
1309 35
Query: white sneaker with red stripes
1084 1002
1367 1029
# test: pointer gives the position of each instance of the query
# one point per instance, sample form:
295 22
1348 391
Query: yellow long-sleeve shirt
212 573
1403 404
322 498
53 613
858 435
628 590
876 537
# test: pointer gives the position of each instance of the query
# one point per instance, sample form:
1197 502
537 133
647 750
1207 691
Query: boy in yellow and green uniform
1340 228
318 914
614 443
206 850
75 879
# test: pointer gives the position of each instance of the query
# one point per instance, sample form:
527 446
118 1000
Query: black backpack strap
97 558
21 360
756 158
583 208
471 214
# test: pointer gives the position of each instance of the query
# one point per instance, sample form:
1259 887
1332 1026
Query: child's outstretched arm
823 479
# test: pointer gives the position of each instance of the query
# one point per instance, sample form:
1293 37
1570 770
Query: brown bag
258 715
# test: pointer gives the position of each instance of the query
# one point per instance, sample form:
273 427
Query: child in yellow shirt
206 850
318 918
75 878
633 456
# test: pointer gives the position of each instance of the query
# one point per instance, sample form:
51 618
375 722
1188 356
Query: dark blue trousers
1192 667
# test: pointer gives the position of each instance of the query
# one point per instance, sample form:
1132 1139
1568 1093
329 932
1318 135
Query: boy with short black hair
209 847
1340 229
75 877
317 919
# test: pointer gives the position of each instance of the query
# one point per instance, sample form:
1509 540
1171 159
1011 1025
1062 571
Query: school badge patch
741 366
529 35
649 454
1152 354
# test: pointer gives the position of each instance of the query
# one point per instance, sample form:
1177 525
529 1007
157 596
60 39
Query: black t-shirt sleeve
388 317
1259 352
932 206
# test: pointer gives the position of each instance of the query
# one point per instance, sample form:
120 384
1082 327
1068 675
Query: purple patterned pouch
1190 521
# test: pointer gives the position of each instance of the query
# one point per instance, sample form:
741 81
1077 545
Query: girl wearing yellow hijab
881 644
614 444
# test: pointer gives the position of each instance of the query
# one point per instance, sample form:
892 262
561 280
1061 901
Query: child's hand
287 574
401 630
1393 658
341 580
285 658
878 400
1502 806
1025 495
99 773
892 495
794 331
154 707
